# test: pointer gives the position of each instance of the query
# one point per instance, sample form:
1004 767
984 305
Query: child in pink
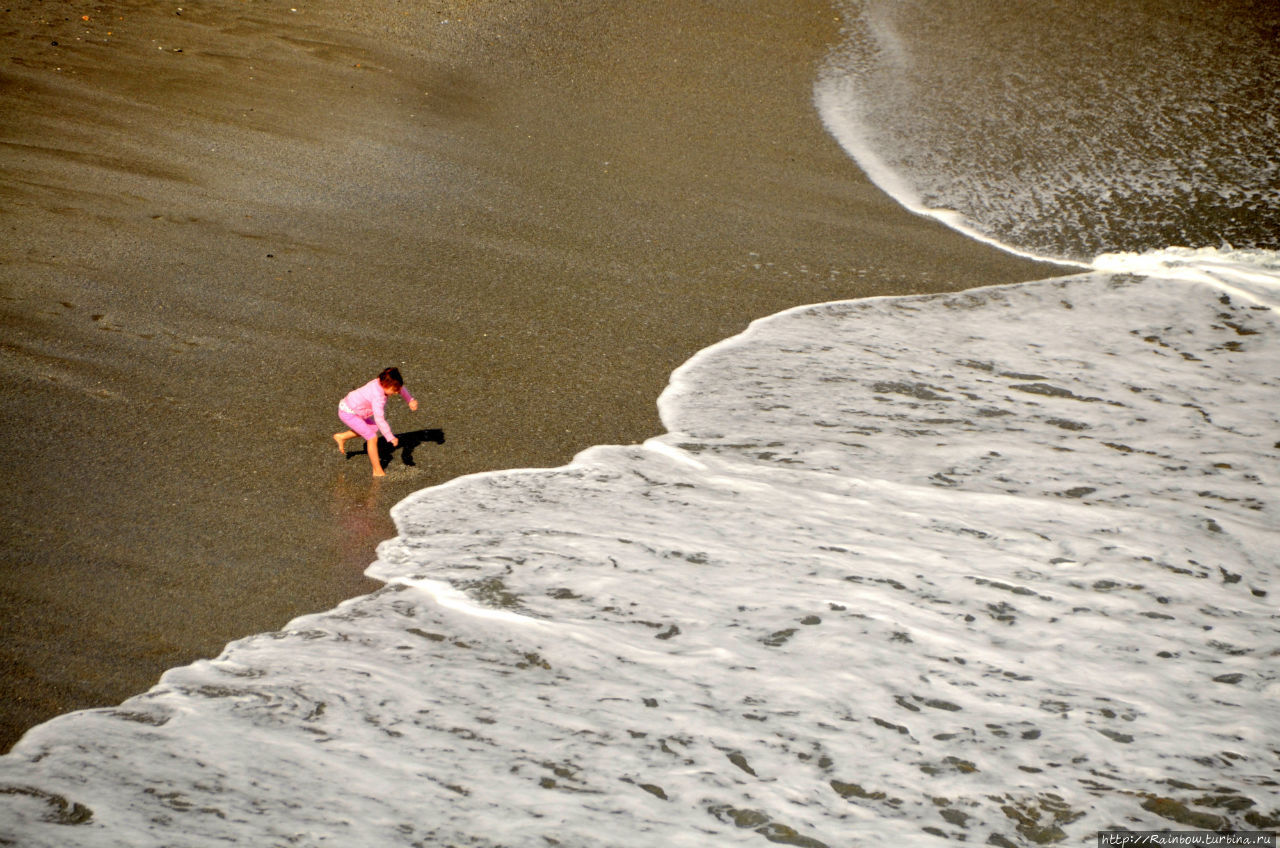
363 411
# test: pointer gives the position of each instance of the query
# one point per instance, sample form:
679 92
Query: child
362 409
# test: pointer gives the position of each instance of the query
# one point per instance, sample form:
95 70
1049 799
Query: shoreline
227 219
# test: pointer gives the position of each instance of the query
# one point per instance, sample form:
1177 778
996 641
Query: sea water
996 566
1068 129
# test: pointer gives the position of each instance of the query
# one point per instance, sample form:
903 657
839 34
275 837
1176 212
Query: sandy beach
219 220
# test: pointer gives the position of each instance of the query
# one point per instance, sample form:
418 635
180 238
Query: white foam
1251 275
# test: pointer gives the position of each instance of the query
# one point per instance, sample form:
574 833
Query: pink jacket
369 401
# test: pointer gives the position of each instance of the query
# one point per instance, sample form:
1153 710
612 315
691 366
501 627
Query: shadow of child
409 442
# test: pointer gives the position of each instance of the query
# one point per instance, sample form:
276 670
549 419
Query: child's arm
380 418
408 398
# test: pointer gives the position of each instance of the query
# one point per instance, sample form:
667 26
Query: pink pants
363 427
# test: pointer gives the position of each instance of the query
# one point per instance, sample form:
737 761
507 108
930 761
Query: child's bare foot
379 473
342 443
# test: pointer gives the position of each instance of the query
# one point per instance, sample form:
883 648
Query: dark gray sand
218 220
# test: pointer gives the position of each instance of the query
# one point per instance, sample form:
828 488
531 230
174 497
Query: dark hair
391 377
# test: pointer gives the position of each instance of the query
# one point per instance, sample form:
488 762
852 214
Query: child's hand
413 405
395 443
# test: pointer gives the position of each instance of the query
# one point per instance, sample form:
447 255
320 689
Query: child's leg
341 439
366 429
372 446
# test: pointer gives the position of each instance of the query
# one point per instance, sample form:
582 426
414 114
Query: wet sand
219 220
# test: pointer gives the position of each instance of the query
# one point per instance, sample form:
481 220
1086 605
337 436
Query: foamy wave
1057 135
842 119
1251 274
